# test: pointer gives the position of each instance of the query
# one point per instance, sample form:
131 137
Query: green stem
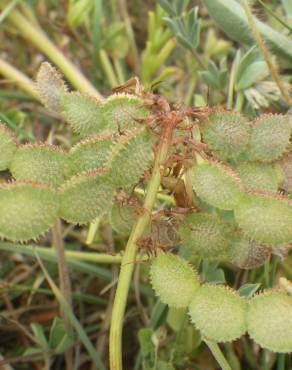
107 68
127 266
239 101
281 361
216 351
45 45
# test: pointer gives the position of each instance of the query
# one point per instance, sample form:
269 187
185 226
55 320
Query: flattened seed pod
7 147
258 176
218 312
226 133
216 185
174 280
206 236
27 210
91 153
85 197
269 320
270 137
42 163
266 218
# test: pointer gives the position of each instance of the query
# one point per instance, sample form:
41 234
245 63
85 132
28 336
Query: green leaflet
41 163
265 218
218 312
89 116
231 18
122 219
50 87
216 185
85 197
91 153
226 133
7 147
206 236
269 321
27 210
129 159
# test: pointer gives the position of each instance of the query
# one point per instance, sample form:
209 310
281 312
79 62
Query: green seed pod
248 254
216 185
286 165
219 313
42 163
226 133
7 147
91 153
174 280
269 321
129 159
122 218
50 87
206 236
27 210
258 176
121 111
85 197
266 218
270 137
83 113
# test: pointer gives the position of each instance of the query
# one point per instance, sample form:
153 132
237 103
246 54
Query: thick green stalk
127 265
216 351
44 44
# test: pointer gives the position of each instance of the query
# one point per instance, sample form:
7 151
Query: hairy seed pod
286 165
50 87
85 197
7 147
270 137
226 133
258 176
42 163
206 236
129 159
91 153
174 280
269 320
27 210
218 312
266 218
217 185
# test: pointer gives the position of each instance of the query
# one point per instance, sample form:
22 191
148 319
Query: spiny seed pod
83 113
27 210
174 280
216 185
258 176
248 254
286 165
219 313
85 197
266 218
226 133
122 218
270 137
206 236
129 159
50 87
91 153
7 147
41 163
269 321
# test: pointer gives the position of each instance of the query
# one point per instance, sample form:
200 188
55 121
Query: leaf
248 290
59 340
39 334
165 4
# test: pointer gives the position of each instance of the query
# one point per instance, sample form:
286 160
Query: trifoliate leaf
41 163
173 280
265 218
7 147
216 185
269 137
219 313
269 321
226 133
27 210
85 197
206 236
